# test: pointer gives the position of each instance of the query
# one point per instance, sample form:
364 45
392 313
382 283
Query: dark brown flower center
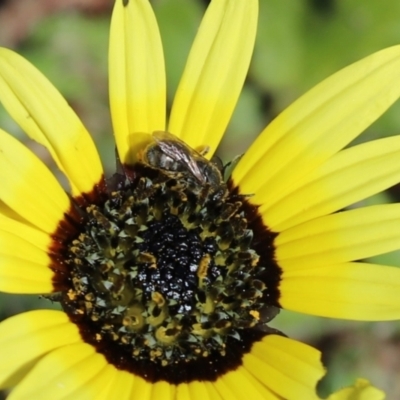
162 274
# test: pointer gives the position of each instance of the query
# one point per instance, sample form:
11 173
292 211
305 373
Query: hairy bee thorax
162 273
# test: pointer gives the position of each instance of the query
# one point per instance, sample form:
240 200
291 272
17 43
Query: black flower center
161 275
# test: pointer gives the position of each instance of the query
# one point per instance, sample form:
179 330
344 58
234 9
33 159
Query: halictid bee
175 157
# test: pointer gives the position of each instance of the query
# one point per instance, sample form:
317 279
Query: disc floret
164 269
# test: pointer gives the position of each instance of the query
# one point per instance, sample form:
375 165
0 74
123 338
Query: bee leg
204 150
229 167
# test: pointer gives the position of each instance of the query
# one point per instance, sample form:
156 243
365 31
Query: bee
173 156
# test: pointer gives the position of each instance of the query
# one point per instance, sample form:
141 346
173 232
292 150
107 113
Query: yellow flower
166 274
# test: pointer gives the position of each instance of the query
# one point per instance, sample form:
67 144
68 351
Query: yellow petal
8 212
24 268
336 238
28 187
123 386
197 391
348 177
213 393
66 369
225 391
214 74
13 245
163 390
38 238
319 124
100 386
245 386
290 369
362 390
46 117
25 337
182 392
23 276
143 387
356 291
137 76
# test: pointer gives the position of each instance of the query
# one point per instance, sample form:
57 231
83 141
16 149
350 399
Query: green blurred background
299 43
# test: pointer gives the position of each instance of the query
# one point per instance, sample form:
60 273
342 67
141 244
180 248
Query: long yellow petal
13 245
182 392
245 386
30 234
356 291
225 391
319 124
348 177
214 74
290 369
8 212
66 369
27 336
24 276
137 76
341 237
123 386
24 268
198 391
361 390
213 393
46 117
143 387
100 386
163 390
28 187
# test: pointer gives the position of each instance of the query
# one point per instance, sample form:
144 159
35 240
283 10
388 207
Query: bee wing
164 135
179 151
